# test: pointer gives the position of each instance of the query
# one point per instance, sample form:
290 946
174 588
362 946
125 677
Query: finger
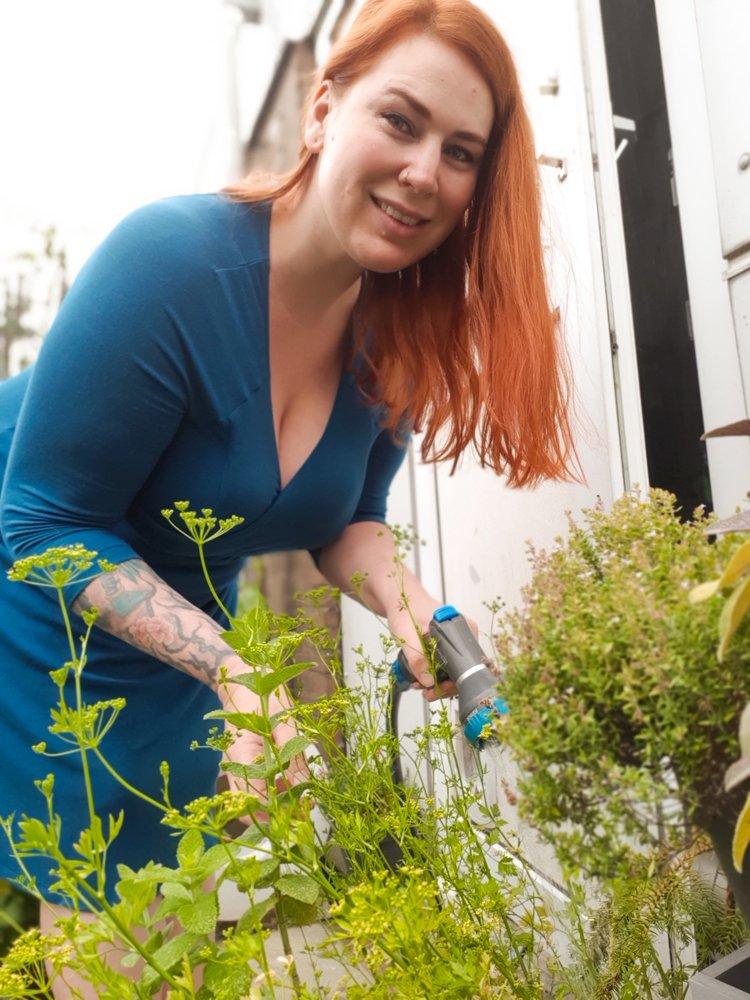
295 774
445 690
421 672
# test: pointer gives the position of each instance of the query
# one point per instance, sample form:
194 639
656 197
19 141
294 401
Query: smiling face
399 152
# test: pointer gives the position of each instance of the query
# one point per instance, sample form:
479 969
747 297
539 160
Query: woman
265 351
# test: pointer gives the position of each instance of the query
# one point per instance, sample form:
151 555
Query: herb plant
621 720
458 917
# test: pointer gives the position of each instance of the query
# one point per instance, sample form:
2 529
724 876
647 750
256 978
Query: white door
704 45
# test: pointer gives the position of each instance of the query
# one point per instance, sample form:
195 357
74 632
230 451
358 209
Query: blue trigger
445 613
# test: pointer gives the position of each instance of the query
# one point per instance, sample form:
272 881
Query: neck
316 281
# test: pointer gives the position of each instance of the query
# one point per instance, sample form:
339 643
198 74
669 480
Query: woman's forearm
368 549
137 606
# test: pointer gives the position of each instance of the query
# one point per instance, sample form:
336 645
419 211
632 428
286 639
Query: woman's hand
401 623
247 746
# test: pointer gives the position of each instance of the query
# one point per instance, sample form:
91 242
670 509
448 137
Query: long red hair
465 340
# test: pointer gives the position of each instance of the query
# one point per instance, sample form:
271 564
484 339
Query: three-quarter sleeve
384 462
106 395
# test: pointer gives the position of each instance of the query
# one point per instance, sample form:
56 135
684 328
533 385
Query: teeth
406 219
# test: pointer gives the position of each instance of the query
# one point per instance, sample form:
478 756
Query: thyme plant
621 720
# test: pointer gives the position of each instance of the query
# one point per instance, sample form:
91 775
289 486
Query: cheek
458 194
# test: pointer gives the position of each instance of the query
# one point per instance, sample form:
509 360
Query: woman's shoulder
210 230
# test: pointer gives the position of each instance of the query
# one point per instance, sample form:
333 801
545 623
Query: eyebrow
425 113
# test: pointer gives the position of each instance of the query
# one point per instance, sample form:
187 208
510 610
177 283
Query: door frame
614 287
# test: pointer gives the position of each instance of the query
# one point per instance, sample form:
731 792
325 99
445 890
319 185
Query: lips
399 213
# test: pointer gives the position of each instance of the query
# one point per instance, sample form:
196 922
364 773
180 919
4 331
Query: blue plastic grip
397 673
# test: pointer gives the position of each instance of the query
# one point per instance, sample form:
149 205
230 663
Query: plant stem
284 934
79 706
204 567
126 784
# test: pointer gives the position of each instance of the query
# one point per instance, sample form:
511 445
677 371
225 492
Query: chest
305 371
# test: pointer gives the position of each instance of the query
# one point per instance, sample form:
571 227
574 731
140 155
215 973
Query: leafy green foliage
616 704
458 916
615 952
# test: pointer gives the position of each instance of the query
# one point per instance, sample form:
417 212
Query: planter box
727 979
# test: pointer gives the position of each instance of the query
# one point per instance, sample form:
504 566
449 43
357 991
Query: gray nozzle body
464 662
460 659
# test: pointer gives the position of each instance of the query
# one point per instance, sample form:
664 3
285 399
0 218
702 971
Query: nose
421 172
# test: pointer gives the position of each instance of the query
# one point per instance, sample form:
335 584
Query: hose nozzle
460 659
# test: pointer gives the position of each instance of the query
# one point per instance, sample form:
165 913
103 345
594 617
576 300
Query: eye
461 154
398 121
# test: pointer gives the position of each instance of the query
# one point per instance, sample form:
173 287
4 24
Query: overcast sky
108 105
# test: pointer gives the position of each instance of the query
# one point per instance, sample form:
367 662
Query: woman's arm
137 606
368 548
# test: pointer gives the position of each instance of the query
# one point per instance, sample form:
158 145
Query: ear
316 116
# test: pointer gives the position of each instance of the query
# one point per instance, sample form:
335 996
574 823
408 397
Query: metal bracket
554 161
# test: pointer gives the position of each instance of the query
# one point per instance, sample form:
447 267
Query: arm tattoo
137 606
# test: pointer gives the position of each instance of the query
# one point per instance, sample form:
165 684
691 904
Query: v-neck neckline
343 379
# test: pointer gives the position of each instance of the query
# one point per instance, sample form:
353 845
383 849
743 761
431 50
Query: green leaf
745 731
217 856
737 566
266 873
292 747
201 915
224 980
189 849
296 913
168 956
115 825
249 680
247 771
235 640
263 684
735 609
252 916
243 720
175 890
741 836
299 886
703 591
34 834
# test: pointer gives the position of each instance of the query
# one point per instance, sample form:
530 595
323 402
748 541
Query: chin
384 262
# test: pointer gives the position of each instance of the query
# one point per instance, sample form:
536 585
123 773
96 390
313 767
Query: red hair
464 340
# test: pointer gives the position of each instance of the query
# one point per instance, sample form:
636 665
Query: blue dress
153 386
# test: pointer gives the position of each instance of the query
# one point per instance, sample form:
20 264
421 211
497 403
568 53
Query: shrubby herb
614 944
621 723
